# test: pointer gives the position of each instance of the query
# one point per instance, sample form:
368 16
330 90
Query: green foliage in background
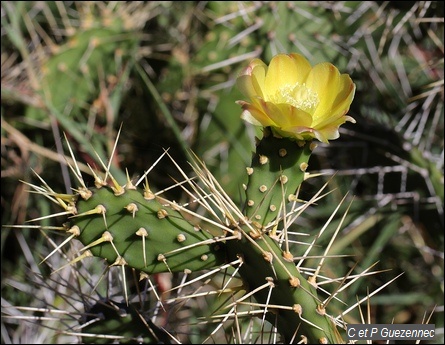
165 72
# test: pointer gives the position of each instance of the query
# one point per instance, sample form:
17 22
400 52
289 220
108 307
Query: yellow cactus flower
295 99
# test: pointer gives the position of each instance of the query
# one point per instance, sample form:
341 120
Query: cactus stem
321 309
299 310
132 208
294 282
263 189
286 254
268 255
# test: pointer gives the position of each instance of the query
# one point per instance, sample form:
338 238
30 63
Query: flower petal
291 116
285 70
254 113
324 80
251 80
345 95
295 99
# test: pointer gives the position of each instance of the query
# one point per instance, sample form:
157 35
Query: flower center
296 95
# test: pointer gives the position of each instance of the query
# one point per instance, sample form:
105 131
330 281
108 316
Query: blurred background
164 72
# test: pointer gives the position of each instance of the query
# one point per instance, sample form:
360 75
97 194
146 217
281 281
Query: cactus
149 235
277 170
141 233
132 226
147 232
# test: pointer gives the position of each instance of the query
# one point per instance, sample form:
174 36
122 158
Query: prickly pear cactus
132 226
137 228
296 103
278 168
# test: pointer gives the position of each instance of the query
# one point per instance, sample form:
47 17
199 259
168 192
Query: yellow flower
295 99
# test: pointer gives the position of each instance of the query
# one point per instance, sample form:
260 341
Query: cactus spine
132 226
277 170
135 228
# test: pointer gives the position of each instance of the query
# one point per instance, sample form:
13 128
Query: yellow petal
292 117
245 85
295 99
254 113
303 67
324 80
345 95
258 78
251 80
328 130
285 70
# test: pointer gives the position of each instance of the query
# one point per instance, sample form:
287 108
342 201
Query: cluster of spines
290 300
277 170
138 228
145 231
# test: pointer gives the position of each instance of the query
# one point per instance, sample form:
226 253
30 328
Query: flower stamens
297 95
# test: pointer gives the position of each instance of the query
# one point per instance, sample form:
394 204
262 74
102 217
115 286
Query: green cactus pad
288 289
278 168
139 226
